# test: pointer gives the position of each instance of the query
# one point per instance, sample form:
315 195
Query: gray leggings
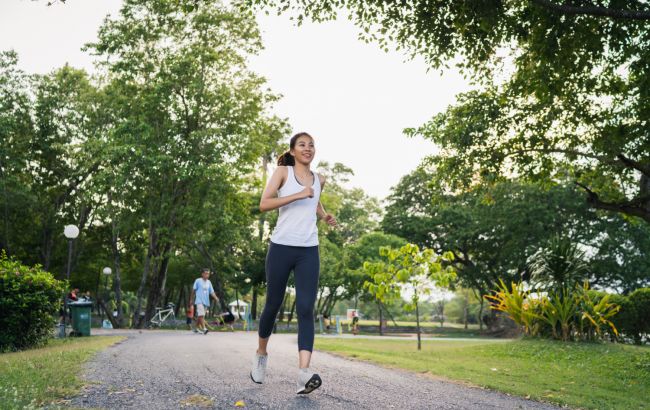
305 263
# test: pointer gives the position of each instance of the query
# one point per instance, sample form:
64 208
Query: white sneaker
308 381
259 368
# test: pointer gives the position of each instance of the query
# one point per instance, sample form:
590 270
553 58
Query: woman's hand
330 220
308 192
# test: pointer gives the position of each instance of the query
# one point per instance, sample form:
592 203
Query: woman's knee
272 307
305 310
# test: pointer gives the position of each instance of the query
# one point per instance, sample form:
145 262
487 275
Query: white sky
351 96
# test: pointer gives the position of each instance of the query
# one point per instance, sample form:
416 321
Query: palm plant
560 265
596 314
559 310
518 305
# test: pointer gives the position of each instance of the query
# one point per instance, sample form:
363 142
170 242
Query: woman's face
304 150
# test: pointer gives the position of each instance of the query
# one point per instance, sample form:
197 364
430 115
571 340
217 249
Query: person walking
201 293
295 190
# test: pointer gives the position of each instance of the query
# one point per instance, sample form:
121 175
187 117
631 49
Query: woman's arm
270 201
320 209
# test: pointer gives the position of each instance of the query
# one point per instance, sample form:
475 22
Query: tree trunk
167 296
157 285
389 315
417 318
109 316
466 308
237 302
254 304
332 303
180 301
137 318
5 240
117 280
480 315
381 321
328 305
320 300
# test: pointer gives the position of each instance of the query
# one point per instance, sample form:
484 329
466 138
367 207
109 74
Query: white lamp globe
71 231
107 271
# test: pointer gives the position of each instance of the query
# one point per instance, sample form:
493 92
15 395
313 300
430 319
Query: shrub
29 298
596 315
633 320
625 320
640 302
518 305
577 314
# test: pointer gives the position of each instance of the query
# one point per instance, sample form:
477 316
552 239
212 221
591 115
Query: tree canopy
561 88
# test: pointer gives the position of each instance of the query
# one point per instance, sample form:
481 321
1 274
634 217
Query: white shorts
200 310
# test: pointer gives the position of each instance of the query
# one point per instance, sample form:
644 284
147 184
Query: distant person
73 295
201 293
85 297
355 323
190 318
326 322
295 190
70 297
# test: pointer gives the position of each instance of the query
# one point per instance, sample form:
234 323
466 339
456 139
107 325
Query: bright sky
352 97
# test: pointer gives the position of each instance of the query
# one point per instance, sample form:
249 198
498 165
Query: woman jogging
295 190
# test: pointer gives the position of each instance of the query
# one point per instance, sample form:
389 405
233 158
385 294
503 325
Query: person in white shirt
201 293
295 190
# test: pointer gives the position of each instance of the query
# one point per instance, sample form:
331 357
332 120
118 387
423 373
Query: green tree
563 86
409 269
49 125
494 229
366 248
186 114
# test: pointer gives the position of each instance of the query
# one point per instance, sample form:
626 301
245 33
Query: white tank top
297 221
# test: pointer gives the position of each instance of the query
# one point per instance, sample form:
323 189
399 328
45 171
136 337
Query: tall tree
186 112
49 127
563 86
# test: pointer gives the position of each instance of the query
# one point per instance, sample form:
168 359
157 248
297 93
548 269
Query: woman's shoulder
282 169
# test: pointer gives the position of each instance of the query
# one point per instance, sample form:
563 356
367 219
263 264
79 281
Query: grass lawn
38 377
598 376
423 324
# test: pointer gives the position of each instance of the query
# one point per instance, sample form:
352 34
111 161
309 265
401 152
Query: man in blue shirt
201 293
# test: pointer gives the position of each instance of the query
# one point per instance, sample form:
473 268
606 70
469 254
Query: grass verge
598 376
46 376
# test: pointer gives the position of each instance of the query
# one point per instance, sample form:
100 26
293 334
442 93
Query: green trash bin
80 318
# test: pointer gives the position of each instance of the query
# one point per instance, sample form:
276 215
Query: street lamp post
71 232
107 272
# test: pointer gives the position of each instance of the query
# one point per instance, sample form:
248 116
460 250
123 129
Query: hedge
30 299
633 320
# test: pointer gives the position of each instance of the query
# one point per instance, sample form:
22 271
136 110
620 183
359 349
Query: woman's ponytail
286 159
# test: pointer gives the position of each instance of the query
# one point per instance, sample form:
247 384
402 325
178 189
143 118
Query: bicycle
163 314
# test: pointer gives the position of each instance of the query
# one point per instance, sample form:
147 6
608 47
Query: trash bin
80 318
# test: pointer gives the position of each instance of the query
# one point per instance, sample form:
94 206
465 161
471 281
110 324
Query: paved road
174 369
